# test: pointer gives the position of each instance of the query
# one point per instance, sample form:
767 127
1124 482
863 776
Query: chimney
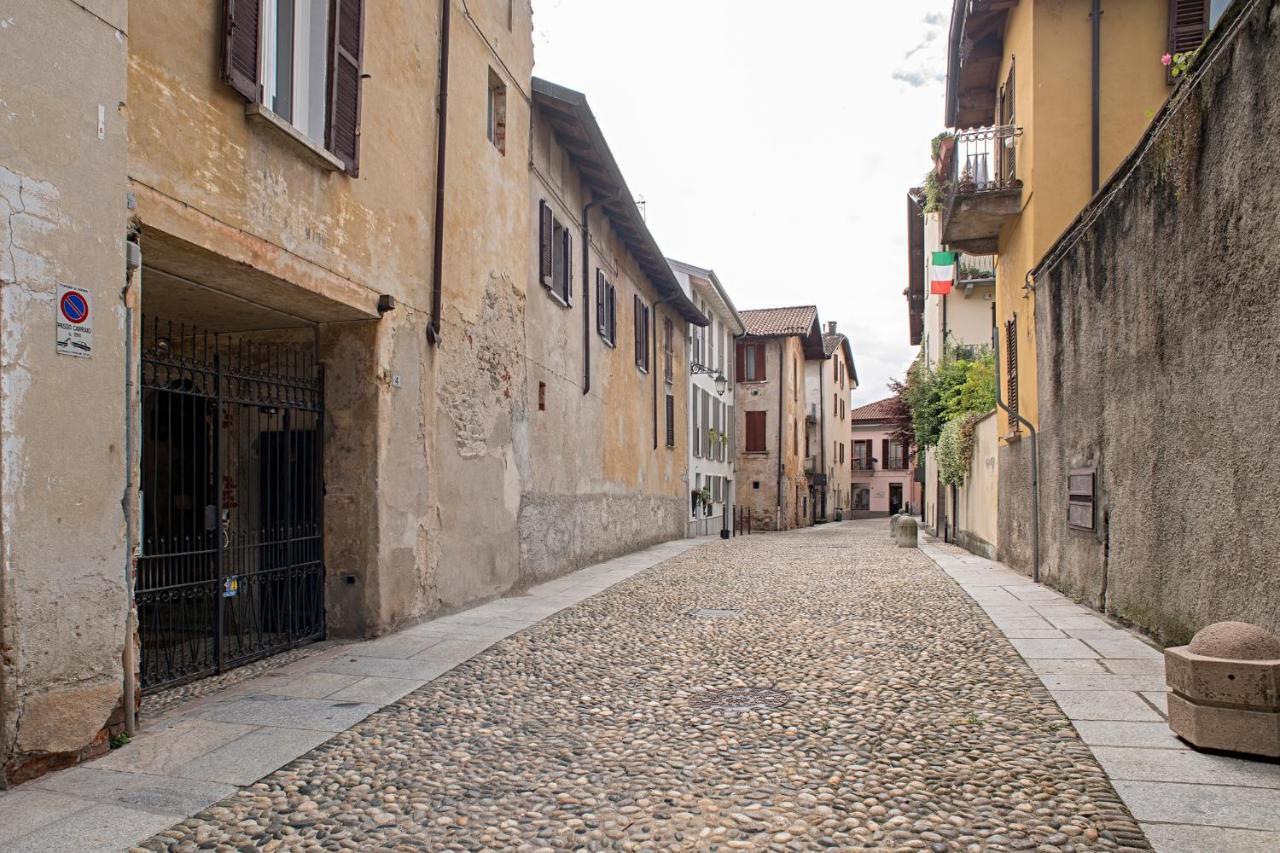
831 327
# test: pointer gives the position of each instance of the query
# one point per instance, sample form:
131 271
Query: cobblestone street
870 704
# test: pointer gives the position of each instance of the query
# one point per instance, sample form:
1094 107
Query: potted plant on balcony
966 182
942 146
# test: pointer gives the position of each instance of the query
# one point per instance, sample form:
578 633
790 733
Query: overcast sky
773 143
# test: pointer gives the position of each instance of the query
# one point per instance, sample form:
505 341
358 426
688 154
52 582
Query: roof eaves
640 242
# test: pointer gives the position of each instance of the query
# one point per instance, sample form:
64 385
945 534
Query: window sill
326 159
556 297
610 344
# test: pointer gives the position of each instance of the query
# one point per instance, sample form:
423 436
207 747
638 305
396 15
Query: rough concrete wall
478 365
1014 516
978 495
63 598
1159 367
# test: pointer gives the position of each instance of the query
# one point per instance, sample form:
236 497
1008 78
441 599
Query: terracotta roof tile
880 410
767 322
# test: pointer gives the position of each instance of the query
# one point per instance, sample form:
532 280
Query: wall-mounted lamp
721 382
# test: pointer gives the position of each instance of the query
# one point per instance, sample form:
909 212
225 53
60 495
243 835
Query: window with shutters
606 309
555 255
671 421
668 349
751 363
1011 362
731 428
755 438
641 315
496 115
302 64
1189 23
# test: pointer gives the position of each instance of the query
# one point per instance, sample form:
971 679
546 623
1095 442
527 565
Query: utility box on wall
1082 498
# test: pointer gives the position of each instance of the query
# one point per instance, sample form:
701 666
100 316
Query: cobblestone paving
908 723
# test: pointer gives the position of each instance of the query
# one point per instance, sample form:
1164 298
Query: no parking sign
74 322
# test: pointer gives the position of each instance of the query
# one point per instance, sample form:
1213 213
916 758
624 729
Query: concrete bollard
1225 689
906 532
893 525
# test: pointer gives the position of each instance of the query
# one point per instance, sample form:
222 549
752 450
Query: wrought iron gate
231 567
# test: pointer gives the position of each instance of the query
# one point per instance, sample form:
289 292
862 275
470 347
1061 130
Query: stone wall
1158 360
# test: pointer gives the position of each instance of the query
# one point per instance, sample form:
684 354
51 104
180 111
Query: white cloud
775 148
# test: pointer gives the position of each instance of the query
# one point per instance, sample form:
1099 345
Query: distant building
771 407
712 457
829 386
882 471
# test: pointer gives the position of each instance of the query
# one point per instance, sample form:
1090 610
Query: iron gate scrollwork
231 567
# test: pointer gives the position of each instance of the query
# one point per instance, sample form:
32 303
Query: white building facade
829 386
710 390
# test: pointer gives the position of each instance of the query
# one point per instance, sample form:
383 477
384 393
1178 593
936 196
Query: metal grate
736 700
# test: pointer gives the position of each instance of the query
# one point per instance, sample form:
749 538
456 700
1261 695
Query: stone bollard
893 525
1225 689
906 532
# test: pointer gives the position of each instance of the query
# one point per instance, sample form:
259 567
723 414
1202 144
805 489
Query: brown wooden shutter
756 432
1011 360
671 421
761 373
613 314
741 360
568 267
636 324
1188 24
546 248
884 457
242 20
345 72
602 307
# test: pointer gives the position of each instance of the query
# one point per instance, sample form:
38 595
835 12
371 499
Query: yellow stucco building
1047 98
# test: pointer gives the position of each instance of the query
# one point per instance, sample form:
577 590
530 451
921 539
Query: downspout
133 261
586 286
437 247
1035 462
1096 15
777 510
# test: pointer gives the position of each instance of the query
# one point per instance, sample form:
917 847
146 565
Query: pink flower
1166 60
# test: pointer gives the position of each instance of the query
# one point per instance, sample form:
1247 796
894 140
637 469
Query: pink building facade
883 475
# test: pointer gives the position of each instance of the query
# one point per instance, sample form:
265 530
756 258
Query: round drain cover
735 700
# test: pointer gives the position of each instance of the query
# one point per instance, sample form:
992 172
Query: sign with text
73 322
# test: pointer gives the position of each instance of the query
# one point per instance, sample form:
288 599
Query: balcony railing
863 465
976 269
983 189
985 159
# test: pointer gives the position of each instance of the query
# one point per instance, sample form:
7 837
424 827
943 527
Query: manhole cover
715 613
735 700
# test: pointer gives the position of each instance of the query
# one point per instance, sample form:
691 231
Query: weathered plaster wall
597 477
1159 367
63 599
764 503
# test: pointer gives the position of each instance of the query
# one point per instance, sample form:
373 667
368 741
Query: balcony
812 416
811 465
983 190
863 465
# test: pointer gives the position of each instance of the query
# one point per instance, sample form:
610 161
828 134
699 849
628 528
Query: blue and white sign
73 322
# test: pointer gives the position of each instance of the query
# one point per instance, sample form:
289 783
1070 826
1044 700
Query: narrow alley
817 688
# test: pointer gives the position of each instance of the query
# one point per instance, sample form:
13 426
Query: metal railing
985 159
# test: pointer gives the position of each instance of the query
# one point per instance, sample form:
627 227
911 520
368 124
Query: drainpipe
822 426
777 510
437 248
1035 462
1096 15
133 261
586 286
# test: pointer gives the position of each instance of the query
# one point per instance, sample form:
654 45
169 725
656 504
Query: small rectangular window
295 63
642 334
497 112
606 309
561 250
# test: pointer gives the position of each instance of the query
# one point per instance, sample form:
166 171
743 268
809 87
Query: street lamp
721 382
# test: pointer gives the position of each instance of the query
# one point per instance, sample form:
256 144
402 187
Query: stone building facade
326 391
770 398
829 386
712 481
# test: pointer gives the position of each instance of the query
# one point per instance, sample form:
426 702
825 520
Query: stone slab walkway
1111 684
205 750
784 692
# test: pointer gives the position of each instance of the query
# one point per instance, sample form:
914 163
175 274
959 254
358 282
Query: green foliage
119 740
963 382
932 192
955 448
935 144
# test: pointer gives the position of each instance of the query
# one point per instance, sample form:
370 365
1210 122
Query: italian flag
943 273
